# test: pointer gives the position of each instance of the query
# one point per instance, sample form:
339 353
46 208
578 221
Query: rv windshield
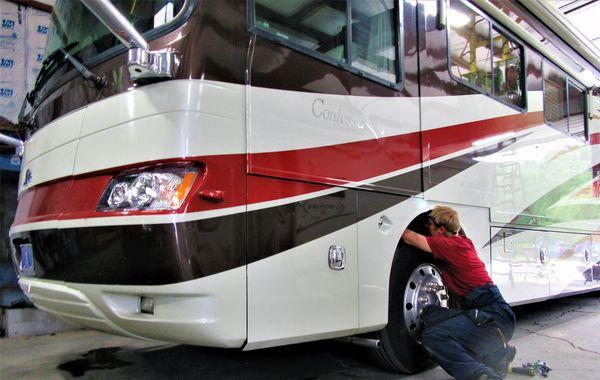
72 21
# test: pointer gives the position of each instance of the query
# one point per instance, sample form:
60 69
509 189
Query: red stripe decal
444 141
42 203
78 197
343 163
357 161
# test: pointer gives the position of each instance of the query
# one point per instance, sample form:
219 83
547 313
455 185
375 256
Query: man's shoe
488 376
503 364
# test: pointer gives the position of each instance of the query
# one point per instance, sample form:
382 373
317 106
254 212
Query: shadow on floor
322 360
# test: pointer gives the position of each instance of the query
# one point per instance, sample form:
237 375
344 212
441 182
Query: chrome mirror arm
144 65
18 144
118 24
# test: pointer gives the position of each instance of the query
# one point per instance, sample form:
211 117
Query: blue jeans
468 343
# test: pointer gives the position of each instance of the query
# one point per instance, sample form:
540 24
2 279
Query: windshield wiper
98 81
48 63
57 56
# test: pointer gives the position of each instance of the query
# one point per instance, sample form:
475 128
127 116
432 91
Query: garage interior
542 333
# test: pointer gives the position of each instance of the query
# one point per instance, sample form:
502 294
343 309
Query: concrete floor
563 332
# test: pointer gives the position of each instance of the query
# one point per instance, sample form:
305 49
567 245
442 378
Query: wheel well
399 350
417 225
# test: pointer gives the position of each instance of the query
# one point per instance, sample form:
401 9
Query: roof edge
561 25
554 19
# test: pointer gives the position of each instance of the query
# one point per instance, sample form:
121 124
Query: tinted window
564 102
555 98
374 38
483 56
73 22
320 27
576 111
507 68
470 52
315 25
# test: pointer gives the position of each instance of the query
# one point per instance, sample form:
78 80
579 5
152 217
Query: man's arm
416 240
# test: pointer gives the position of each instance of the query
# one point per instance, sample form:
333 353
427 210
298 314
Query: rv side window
483 57
470 53
507 68
555 99
564 102
315 25
374 38
576 111
361 36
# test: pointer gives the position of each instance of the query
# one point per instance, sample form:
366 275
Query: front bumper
210 311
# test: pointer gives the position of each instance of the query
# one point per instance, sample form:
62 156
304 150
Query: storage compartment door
520 264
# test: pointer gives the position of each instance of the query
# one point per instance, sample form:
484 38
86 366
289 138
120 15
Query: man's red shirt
463 271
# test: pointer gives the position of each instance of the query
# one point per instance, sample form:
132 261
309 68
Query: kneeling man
469 343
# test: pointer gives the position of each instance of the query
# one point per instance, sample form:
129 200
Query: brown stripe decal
281 228
153 254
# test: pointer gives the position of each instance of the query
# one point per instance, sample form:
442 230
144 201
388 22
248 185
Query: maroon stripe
357 161
444 141
77 197
342 163
42 203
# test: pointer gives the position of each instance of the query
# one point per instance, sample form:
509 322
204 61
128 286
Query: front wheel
415 282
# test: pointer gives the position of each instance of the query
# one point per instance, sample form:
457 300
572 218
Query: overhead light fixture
457 19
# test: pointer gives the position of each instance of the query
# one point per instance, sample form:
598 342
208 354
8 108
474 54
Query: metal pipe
118 24
10 140
364 342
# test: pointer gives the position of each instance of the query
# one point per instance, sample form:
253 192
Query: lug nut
423 299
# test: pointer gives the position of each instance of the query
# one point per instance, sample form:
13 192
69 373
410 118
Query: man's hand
416 240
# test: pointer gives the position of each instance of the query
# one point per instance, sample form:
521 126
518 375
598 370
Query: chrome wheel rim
423 288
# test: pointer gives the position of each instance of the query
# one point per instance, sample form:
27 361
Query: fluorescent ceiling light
457 19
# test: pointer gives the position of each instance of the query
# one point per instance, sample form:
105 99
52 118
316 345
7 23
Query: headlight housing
154 189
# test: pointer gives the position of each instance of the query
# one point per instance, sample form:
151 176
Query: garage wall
23 37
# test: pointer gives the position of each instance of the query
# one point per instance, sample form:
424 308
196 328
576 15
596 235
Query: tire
399 351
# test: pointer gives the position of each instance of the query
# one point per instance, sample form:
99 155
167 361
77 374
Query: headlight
157 189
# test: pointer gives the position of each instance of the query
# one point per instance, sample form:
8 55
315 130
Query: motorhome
239 173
